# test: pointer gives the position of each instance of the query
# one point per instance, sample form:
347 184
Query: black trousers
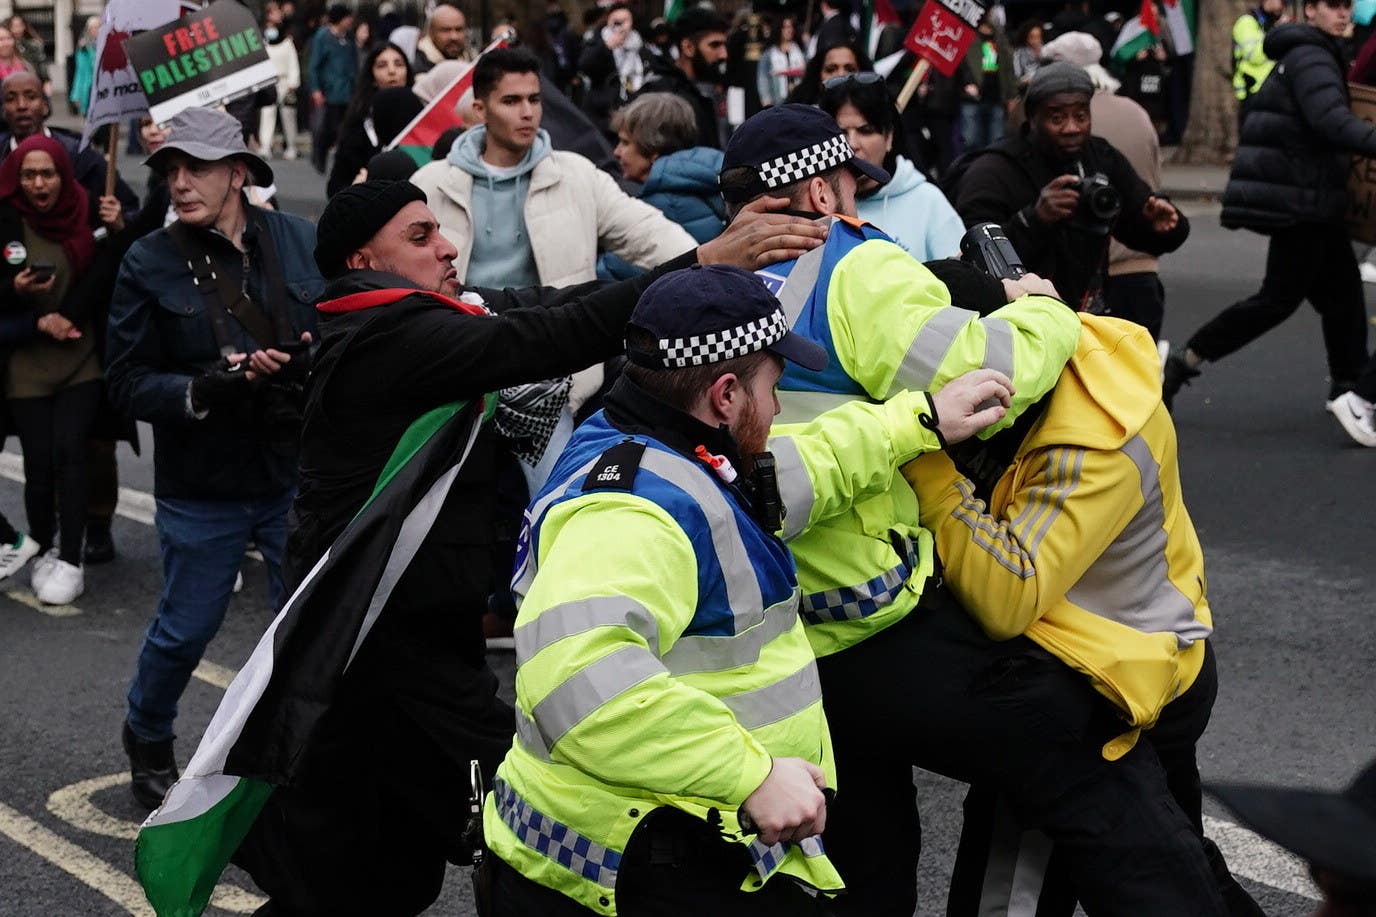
674 865
1311 261
935 692
53 433
383 799
1138 298
325 131
998 863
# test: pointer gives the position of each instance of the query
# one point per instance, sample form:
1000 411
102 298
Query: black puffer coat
1292 162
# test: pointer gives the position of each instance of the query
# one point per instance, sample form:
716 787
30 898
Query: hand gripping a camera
1059 199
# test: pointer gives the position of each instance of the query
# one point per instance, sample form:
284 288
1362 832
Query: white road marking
1253 857
213 674
24 597
73 805
70 858
133 504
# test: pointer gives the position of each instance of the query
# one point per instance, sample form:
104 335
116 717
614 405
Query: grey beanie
1052 79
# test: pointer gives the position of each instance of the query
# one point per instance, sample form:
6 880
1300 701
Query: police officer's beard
751 432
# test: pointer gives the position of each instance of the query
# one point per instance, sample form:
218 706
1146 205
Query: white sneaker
13 557
1368 271
1358 417
62 585
40 569
238 582
289 154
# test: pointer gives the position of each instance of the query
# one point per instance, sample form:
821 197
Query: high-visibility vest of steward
1251 66
888 325
661 658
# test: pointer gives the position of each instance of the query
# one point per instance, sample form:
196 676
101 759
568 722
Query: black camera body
1100 204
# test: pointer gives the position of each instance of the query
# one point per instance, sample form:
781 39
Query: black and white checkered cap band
807 162
716 346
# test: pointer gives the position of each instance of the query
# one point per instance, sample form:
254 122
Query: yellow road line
75 861
213 674
53 611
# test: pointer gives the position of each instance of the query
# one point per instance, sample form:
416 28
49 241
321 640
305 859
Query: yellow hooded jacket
1086 546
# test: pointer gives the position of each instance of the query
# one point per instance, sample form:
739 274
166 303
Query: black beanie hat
1054 78
353 216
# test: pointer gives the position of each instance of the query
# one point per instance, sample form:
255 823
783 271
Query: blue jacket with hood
682 186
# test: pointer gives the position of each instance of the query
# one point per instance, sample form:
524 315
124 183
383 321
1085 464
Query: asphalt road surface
1280 496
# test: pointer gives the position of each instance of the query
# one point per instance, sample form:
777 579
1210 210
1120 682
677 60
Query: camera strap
223 298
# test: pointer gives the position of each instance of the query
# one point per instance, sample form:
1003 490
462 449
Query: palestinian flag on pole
418 137
878 14
1181 21
258 735
1139 33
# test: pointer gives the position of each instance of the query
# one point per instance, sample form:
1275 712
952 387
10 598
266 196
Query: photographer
209 324
1060 193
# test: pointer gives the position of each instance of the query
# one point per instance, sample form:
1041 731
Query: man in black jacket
697 73
385 778
1289 181
1039 187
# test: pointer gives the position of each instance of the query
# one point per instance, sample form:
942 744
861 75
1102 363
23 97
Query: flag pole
914 80
111 155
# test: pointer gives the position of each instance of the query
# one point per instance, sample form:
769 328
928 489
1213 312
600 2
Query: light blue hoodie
501 256
915 214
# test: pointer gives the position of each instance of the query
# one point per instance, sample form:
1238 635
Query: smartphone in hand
42 271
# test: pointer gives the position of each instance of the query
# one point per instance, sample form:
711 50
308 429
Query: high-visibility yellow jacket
661 658
889 325
1251 66
1086 546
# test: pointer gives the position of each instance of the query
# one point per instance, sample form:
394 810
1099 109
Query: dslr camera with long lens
1100 204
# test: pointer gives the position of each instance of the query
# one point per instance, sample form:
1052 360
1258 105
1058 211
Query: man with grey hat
1060 193
210 325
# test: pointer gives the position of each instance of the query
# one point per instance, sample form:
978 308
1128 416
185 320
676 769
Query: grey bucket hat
209 135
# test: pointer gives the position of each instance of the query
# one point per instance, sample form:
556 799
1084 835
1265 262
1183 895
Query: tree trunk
1211 136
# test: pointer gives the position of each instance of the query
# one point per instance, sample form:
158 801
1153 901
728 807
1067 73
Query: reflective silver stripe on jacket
798 406
742 586
1045 501
798 286
696 654
589 688
795 485
779 700
520 585
994 538
1129 582
928 351
570 618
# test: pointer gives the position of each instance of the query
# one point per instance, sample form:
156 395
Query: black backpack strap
209 280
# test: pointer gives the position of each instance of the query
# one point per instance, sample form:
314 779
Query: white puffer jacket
572 209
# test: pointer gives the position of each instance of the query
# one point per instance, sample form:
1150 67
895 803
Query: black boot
152 766
100 547
1175 373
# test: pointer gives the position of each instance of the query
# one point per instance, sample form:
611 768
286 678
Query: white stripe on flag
1131 32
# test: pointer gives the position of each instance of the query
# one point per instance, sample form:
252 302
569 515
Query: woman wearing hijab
383 95
52 380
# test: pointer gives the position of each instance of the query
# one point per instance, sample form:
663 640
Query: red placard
943 32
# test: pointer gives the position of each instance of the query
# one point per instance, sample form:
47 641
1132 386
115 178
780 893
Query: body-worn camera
1100 204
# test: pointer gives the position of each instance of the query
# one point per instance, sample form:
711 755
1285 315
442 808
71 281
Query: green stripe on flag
673 9
179 863
421 154
1132 39
418 434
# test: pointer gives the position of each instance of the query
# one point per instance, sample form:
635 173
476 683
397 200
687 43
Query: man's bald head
26 108
448 30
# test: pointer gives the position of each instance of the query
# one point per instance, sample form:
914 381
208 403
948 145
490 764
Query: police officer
908 677
671 750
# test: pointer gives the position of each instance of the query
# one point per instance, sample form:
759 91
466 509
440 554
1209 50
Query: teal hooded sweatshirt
501 256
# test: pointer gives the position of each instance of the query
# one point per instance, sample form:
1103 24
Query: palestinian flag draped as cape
260 731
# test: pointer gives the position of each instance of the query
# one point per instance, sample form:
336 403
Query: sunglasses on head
862 79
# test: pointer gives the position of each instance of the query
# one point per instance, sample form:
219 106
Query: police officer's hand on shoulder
970 402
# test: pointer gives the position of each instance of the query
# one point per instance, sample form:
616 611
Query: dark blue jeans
203 543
